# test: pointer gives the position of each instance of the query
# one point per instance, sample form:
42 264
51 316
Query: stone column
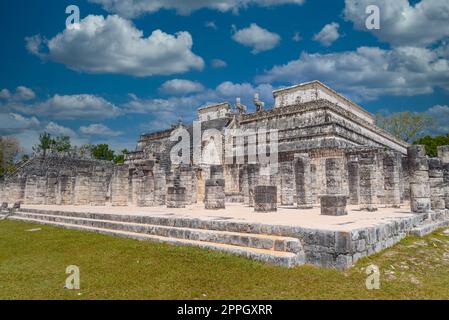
216 172
145 194
368 172
186 181
30 189
287 183
82 188
436 182
419 179
119 186
391 168
215 197
244 184
334 176
265 198
66 184
303 179
353 181
176 197
333 205
98 187
253 181
52 187
443 154
160 185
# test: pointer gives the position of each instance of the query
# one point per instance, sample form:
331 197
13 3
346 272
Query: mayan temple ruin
311 179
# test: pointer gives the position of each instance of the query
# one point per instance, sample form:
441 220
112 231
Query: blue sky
139 65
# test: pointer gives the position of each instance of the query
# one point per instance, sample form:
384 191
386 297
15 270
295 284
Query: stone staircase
431 222
272 249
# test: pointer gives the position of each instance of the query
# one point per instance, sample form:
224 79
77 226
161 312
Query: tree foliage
60 144
432 143
406 126
9 149
102 152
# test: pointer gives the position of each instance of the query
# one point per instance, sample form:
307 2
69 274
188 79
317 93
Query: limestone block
333 205
265 199
215 196
176 197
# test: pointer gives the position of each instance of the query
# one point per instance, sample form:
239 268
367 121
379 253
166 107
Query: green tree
45 143
120 159
62 144
432 143
102 152
9 149
406 126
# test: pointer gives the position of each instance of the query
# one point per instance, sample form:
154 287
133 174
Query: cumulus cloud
401 23
168 111
180 86
66 107
73 107
134 8
99 129
13 123
21 94
328 35
113 45
257 38
218 63
368 72
440 116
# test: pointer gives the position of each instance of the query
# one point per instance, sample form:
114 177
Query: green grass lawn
33 263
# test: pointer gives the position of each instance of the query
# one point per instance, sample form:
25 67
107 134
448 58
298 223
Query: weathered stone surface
368 173
288 187
176 197
303 181
334 176
333 205
265 199
215 197
436 181
354 182
392 167
419 179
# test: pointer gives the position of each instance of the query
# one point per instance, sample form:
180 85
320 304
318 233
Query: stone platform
289 237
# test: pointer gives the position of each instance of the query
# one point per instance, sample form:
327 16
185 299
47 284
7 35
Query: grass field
33 263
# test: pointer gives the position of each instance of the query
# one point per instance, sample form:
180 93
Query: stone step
257 241
282 258
168 220
428 227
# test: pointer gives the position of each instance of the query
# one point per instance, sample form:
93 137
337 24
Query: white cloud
13 123
328 35
57 130
113 45
257 38
368 72
296 37
168 111
180 86
218 63
440 116
134 8
99 129
22 94
72 107
403 24
211 24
